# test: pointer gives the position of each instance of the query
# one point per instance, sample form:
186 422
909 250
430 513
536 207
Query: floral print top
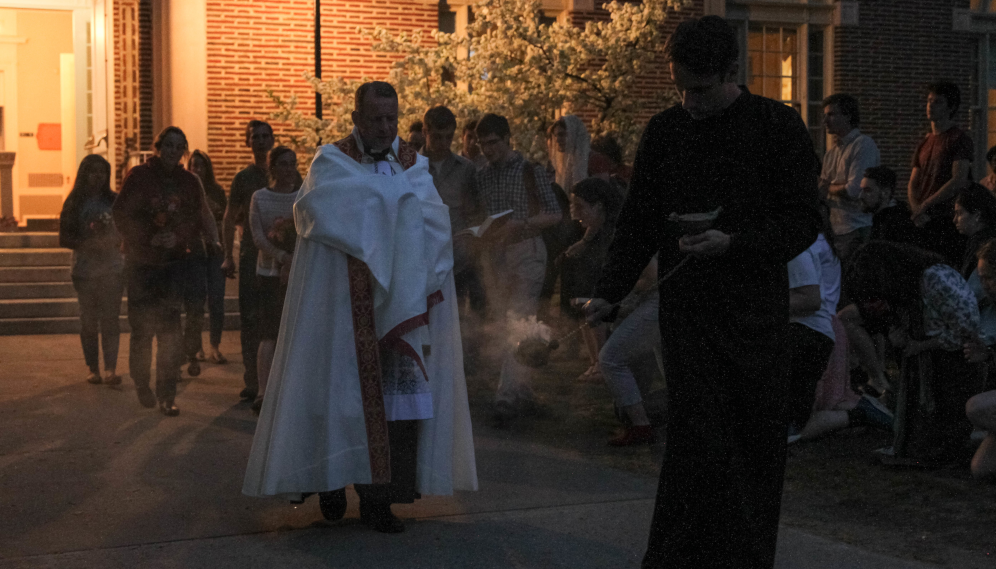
950 310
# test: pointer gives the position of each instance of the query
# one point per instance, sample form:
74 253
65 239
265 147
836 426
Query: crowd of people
816 299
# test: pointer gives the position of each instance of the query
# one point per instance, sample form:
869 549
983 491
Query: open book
497 219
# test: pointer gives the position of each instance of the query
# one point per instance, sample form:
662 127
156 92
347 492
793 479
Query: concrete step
42 257
10 291
34 240
67 307
35 274
70 325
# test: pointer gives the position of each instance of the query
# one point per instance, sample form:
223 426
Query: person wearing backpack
515 252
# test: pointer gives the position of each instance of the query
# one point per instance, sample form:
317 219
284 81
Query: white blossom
510 64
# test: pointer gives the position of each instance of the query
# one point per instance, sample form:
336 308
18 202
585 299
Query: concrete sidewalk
88 478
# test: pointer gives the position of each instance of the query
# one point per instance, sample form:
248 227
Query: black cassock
723 320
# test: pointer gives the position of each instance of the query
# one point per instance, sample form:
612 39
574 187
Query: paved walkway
90 479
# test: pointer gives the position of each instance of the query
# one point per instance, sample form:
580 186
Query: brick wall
898 47
886 62
132 28
260 45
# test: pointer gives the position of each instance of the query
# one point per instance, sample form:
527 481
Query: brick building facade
886 60
882 51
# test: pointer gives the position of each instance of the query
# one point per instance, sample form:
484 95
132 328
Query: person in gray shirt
453 176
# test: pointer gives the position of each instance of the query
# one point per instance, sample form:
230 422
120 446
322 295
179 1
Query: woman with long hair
975 218
163 218
86 227
594 205
271 215
934 316
200 164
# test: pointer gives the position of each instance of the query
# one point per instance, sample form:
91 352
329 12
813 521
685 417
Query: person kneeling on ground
637 334
814 289
939 316
836 406
595 205
981 408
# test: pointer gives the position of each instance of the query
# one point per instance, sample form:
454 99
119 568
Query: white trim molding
973 21
818 12
47 4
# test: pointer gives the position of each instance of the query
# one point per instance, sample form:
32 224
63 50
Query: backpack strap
532 192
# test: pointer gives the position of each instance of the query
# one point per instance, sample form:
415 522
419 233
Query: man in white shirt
844 165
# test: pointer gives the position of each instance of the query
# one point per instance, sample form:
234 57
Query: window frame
808 104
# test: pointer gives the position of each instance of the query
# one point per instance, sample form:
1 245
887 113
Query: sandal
217 358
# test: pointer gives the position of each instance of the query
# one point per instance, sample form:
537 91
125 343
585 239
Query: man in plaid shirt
516 255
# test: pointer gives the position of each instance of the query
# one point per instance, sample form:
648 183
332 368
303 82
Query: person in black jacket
724 311
890 219
86 227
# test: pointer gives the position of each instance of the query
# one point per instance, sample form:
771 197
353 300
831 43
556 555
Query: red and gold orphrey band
368 362
365 337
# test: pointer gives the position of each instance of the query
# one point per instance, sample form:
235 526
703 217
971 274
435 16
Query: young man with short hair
469 148
516 252
850 154
941 168
724 310
453 176
259 138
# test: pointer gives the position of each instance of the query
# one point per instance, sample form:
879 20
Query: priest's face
704 97
377 122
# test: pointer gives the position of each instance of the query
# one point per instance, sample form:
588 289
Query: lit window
772 64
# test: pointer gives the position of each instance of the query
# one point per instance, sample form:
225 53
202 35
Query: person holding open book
516 255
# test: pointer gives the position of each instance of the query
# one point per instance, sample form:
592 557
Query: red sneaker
641 435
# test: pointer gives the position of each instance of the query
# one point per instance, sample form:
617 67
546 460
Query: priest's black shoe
145 396
333 504
168 408
380 518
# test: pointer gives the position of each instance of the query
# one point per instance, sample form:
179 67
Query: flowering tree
511 64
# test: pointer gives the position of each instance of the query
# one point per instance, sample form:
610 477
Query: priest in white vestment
367 384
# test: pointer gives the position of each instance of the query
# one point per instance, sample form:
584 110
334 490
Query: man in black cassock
724 314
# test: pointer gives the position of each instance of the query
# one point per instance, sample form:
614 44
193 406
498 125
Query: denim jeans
638 334
194 287
154 303
100 308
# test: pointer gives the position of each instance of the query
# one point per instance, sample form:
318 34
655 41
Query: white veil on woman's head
571 164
